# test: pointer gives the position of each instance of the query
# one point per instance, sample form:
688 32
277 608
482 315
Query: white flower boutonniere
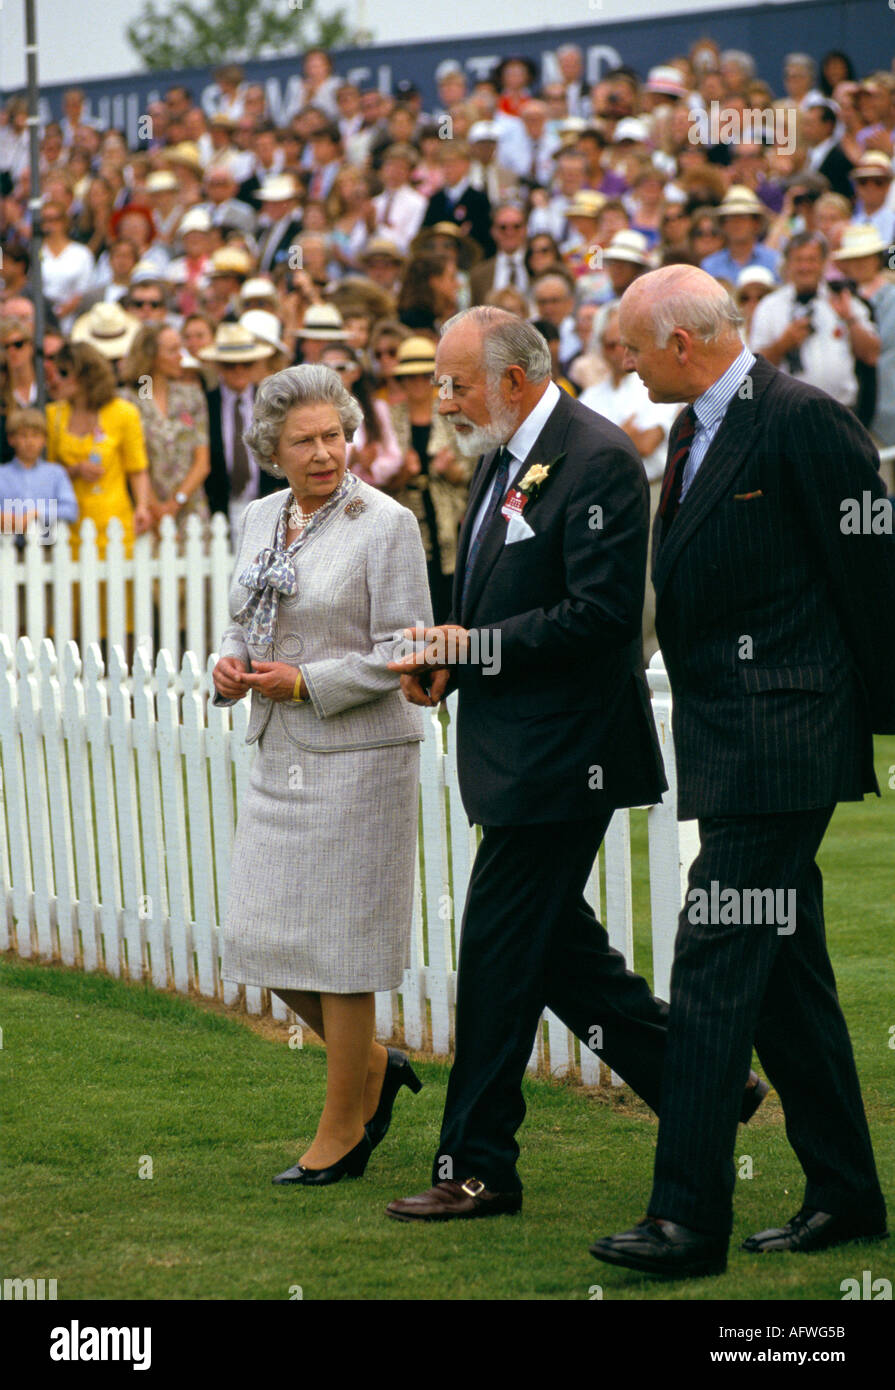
536 476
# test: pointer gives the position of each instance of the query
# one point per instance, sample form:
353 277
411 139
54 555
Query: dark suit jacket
474 207
281 249
777 629
837 167
564 730
217 484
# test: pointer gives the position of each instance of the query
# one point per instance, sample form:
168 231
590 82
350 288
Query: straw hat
628 245
258 287
187 152
416 356
859 241
161 181
587 202
108 328
230 260
233 342
740 200
872 164
666 81
381 246
756 275
196 220
323 321
265 327
279 188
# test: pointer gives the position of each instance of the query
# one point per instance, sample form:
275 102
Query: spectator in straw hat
234 479
382 261
279 222
863 258
322 323
873 184
752 286
228 270
625 258
266 328
109 328
743 218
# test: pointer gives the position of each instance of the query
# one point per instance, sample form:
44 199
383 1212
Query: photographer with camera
814 332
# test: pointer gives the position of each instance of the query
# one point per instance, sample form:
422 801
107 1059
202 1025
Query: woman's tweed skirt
321 877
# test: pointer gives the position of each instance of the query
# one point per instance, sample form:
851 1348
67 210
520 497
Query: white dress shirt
519 447
710 408
631 398
399 214
503 277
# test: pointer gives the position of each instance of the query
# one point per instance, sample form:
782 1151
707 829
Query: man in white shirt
549 214
400 209
622 398
804 330
507 269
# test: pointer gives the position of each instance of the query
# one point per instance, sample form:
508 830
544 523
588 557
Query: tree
184 35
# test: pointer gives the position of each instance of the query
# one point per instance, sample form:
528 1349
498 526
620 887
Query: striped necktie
670 497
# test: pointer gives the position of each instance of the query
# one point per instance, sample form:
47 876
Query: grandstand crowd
176 275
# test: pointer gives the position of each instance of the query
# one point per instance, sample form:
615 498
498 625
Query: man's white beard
480 439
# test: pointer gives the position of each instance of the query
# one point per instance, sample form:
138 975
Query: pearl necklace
296 518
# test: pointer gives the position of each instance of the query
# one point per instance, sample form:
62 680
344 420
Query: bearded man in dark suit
551 740
777 625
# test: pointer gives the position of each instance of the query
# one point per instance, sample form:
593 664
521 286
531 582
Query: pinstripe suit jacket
777 629
361 580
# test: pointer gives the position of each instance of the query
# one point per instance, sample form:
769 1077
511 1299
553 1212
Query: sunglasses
753 298
146 303
509 226
16 342
877 182
340 366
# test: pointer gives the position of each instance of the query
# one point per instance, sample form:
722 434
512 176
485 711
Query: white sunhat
265 327
628 245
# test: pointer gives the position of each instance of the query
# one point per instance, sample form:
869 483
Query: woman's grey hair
706 317
312 384
507 341
741 58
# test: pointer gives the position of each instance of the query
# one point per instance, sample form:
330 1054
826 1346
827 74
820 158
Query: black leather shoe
398 1073
816 1230
662 1247
352 1165
752 1098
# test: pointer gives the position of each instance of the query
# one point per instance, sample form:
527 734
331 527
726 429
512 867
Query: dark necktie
240 471
495 501
670 497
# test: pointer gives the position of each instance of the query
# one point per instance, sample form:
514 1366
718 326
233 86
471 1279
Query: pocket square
747 496
518 529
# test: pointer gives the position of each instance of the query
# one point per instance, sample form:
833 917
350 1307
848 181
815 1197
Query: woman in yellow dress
99 439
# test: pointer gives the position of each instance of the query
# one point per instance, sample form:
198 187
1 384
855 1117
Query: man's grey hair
741 58
685 297
276 396
507 341
800 60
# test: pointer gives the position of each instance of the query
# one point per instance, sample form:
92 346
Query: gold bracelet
297 697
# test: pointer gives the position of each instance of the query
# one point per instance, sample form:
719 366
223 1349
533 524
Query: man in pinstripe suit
779 677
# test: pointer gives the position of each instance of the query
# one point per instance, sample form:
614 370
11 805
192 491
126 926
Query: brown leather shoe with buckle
447 1201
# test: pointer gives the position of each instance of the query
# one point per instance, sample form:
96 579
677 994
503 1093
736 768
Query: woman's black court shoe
398 1073
352 1165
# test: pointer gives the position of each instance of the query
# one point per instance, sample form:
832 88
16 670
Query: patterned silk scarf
272 573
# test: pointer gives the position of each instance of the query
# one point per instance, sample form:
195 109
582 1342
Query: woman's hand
143 519
274 679
90 472
228 677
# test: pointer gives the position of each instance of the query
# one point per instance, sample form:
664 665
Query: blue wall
865 29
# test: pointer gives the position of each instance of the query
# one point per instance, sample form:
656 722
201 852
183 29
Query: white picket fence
120 789
44 593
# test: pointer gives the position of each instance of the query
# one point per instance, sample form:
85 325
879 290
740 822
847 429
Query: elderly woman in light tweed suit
328 575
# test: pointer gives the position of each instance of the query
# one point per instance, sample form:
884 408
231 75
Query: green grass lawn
98 1076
